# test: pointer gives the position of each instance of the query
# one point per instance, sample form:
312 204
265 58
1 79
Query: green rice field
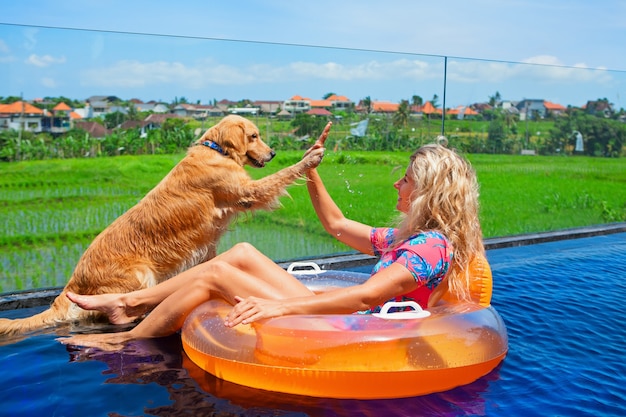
51 210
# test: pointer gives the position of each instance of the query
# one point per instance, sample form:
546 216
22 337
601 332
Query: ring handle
417 313
315 268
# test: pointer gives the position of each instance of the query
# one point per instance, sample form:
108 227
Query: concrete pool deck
45 296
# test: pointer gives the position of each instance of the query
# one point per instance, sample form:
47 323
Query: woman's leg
241 271
127 307
122 308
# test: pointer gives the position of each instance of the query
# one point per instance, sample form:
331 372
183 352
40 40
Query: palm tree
495 99
417 101
367 103
401 116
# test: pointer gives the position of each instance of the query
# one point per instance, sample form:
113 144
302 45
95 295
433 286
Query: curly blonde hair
445 199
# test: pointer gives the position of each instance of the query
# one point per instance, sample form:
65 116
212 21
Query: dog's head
240 140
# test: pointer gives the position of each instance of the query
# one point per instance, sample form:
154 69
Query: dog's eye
254 136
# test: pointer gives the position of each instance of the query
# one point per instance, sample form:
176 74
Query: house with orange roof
428 108
61 107
461 112
319 112
384 107
340 102
21 115
321 104
553 108
58 120
297 104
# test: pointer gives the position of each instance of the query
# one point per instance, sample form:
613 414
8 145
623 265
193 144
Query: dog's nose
272 154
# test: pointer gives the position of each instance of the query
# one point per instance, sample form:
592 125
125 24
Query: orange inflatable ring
387 355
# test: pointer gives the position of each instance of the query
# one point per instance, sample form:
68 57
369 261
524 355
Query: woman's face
405 186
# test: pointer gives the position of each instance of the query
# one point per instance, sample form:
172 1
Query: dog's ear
211 134
232 137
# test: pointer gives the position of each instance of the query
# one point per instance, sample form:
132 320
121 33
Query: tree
308 125
401 116
113 120
367 103
495 134
495 99
178 101
417 101
434 101
63 99
10 99
328 95
602 137
600 107
133 113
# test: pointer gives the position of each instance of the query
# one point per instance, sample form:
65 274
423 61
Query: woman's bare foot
103 341
110 304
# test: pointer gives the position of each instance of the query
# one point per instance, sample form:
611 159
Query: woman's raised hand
319 143
316 152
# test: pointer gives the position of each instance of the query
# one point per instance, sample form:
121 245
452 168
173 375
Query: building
531 109
554 109
297 104
21 115
384 107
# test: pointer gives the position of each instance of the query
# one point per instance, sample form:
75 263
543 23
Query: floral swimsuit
426 255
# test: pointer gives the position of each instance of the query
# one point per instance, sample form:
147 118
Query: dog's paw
313 159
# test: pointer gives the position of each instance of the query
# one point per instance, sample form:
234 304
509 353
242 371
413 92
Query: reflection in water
562 303
195 392
465 398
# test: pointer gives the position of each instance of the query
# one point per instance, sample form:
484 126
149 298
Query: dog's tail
61 310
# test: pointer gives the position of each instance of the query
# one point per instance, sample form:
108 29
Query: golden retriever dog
178 223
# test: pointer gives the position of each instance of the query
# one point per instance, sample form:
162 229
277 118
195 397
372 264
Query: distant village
39 115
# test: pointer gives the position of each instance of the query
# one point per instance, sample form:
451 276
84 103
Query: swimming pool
561 301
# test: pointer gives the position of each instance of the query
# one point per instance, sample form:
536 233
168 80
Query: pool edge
44 296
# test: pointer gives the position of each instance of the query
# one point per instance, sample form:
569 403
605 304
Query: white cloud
44 60
49 82
543 60
136 74
4 48
371 70
132 73
542 68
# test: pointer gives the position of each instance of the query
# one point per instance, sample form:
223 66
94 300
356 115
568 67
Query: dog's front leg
264 193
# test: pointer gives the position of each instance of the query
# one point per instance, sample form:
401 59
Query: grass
51 210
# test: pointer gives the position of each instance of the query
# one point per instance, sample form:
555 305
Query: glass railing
481 106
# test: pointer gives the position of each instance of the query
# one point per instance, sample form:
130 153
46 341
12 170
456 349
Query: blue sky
565 51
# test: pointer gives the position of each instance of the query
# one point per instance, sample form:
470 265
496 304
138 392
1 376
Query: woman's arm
352 233
380 287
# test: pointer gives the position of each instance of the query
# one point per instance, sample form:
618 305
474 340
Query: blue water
562 303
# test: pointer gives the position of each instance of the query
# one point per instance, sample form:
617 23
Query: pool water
562 303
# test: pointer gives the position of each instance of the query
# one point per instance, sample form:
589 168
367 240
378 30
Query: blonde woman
437 236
